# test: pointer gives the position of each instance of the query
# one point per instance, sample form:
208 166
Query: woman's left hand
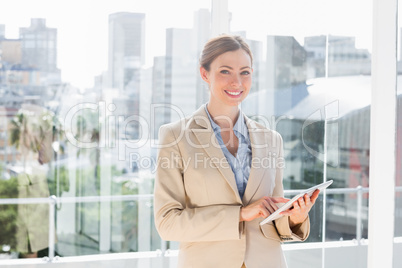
301 208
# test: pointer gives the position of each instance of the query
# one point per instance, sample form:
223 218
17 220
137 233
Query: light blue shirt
240 164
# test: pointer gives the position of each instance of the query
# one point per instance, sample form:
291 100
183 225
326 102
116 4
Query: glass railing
333 211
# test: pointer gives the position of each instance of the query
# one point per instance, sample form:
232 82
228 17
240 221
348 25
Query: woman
220 174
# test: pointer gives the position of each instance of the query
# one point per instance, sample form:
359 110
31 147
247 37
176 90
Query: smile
234 93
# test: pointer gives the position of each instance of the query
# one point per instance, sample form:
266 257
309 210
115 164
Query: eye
245 73
224 72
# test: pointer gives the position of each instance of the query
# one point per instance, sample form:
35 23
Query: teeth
234 93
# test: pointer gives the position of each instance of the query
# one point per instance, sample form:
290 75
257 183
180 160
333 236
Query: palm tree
33 132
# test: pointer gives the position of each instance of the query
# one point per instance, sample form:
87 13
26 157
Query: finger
307 200
301 203
272 204
315 196
269 206
288 212
296 205
279 199
263 211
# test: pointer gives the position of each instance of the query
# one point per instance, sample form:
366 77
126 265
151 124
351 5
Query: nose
236 80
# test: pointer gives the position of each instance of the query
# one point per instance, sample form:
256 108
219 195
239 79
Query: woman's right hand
263 207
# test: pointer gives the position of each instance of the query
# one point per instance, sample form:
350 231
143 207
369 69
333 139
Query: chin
234 103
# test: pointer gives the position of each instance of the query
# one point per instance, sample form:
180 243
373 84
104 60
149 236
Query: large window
313 86
83 128
85 90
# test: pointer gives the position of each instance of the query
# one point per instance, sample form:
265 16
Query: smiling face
229 78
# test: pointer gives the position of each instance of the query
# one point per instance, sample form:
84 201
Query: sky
83 24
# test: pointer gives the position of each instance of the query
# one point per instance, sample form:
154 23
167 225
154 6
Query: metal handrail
80 199
113 198
53 201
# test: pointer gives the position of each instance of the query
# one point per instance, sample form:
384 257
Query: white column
144 206
105 236
67 216
105 176
382 139
219 17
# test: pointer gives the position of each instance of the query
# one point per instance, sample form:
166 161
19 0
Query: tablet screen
289 204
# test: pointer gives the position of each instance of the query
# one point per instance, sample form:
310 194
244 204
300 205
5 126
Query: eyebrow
225 66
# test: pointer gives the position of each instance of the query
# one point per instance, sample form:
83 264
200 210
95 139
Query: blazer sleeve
287 234
176 221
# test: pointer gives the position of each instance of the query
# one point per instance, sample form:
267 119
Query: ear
204 74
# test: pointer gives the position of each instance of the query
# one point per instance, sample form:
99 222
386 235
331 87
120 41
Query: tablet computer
289 204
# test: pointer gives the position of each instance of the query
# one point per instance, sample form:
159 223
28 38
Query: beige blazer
197 201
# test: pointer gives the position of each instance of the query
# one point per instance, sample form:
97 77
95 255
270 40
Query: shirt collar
240 125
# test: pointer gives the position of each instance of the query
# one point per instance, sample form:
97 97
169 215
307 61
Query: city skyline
311 83
83 45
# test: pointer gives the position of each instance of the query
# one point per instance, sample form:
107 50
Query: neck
223 115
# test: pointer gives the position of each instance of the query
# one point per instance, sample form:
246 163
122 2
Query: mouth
233 93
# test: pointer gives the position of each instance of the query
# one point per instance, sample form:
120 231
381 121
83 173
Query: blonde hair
222 44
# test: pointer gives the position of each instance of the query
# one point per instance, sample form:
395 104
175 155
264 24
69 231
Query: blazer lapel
207 140
259 153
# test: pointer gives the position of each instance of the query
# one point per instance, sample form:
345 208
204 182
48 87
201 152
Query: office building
126 56
316 54
344 58
202 33
2 31
286 72
181 71
160 111
126 50
10 51
258 65
39 46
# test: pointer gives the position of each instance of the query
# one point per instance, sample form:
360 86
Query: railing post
52 229
164 258
163 247
359 214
